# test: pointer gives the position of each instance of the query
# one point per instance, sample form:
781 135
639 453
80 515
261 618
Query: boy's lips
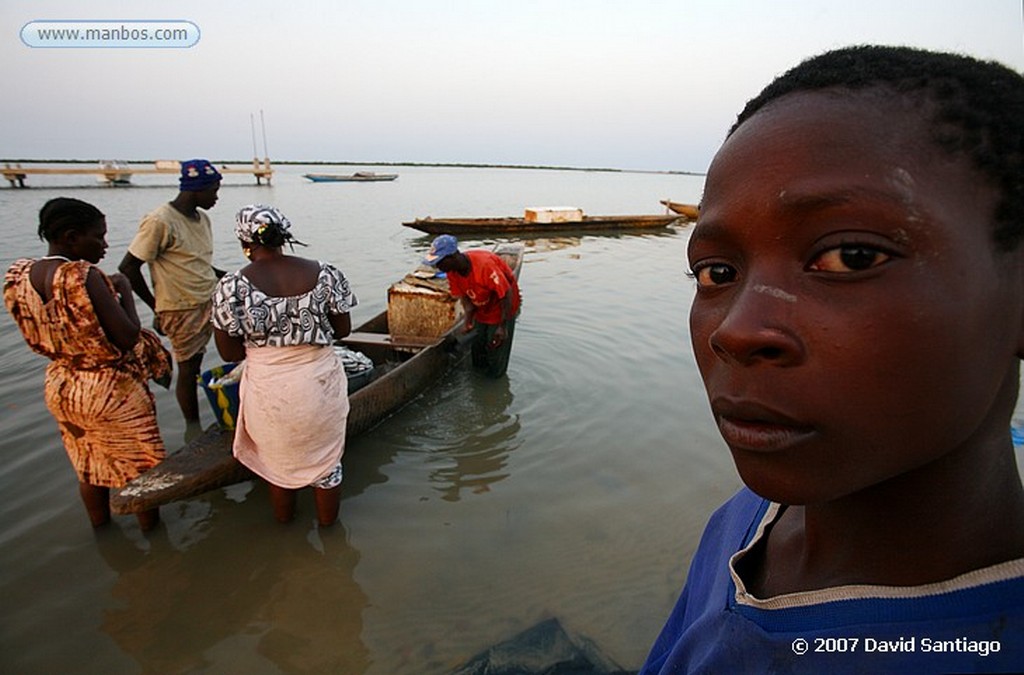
751 426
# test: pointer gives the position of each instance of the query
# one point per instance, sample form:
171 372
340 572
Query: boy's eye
713 274
849 258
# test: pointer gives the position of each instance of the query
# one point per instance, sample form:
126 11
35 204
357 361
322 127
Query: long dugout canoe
515 225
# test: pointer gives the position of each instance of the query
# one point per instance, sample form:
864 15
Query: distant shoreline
456 165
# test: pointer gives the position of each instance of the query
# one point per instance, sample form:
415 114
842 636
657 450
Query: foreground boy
858 325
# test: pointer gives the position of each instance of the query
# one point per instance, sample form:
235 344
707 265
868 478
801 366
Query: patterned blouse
242 310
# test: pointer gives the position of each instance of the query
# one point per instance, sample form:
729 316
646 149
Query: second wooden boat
405 365
512 225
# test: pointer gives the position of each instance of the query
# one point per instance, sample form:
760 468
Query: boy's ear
1020 340
1020 329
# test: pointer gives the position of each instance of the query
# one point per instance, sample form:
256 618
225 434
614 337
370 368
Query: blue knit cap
197 175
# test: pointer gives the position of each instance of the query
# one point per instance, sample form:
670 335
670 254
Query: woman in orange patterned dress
100 359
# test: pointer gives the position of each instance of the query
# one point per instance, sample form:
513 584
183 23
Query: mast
255 153
266 153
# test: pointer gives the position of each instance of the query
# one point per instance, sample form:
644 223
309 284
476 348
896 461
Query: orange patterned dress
97 393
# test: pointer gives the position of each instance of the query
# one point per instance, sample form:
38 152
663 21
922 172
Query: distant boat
114 172
688 210
358 176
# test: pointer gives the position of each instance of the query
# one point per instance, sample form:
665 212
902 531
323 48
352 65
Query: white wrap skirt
293 407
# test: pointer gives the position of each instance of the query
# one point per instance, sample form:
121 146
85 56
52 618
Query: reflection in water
287 598
475 446
463 427
545 243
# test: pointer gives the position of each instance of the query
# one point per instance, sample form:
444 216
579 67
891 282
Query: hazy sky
636 84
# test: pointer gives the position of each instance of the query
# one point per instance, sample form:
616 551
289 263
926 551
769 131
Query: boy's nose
758 327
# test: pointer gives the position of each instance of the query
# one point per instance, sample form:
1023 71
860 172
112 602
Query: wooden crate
553 214
416 311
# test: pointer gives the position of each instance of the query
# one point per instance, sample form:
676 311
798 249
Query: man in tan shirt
176 240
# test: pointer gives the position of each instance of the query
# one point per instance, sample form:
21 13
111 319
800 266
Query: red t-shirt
489 280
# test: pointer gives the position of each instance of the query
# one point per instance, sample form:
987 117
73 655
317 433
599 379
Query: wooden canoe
513 225
689 211
403 368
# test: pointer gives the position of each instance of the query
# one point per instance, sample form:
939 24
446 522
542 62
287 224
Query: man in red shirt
490 296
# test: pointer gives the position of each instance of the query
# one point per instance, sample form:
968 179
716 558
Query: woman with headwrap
282 314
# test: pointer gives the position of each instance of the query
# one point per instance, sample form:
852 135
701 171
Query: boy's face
853 322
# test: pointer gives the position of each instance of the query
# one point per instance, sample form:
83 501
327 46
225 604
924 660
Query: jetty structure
120 173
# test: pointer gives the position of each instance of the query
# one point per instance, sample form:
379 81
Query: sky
626 84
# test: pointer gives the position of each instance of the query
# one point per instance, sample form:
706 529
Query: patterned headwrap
197 175
255 223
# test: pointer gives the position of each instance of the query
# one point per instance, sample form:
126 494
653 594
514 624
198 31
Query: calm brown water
576 488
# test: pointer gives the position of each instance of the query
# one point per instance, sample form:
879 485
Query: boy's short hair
974 107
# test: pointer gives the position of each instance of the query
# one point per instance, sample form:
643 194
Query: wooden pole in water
266 153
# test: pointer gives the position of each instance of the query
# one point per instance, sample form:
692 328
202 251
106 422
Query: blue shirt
972 623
